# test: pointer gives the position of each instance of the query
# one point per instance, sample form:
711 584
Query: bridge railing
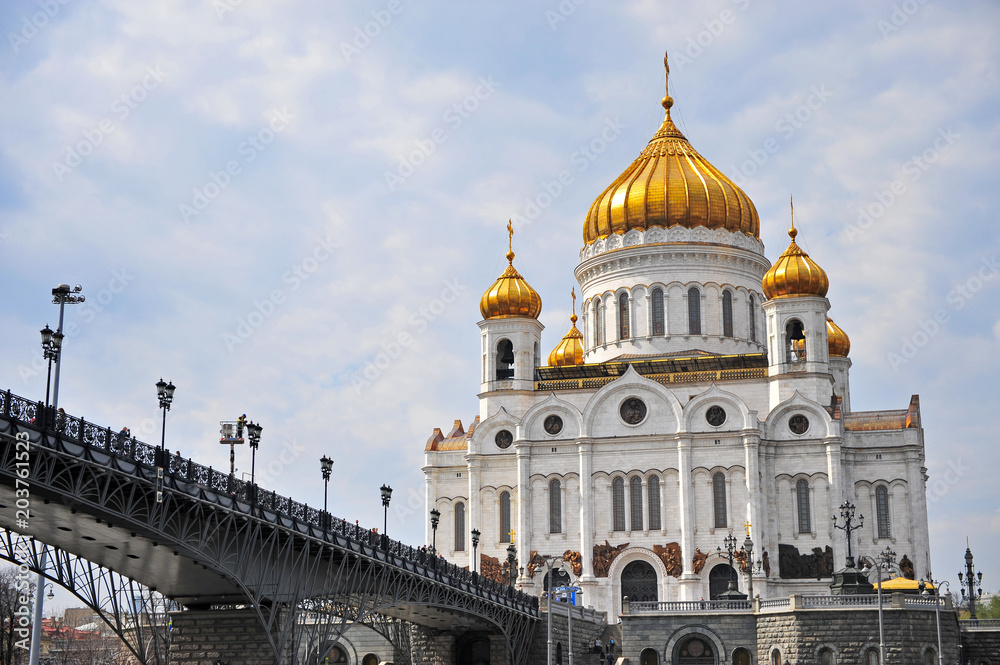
242 495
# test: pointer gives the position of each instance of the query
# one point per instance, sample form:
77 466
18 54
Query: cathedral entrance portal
639 582
718 580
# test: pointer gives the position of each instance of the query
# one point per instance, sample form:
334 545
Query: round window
715 416
553 424
633 411
798 424
504 438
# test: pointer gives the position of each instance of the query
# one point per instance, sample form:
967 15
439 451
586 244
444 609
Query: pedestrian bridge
92 523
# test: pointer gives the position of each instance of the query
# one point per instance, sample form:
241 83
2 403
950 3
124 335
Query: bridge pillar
219 637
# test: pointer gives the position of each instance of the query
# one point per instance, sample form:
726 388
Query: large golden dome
569 351
794 274
839 342
510 295
670 184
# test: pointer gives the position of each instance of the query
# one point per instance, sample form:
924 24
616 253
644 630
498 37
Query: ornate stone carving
767 564
698 561
670 555
793 565
489 567
535 561
575 561
604 555
906 566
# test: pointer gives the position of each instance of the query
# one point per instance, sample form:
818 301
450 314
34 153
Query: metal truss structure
300 569
137 615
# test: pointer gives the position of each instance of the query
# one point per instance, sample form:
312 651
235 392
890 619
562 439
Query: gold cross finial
792 232
747 527
572 293
510 235
512 533
668 101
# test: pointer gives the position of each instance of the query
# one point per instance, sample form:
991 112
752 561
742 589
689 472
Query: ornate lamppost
165 393
849 526
435 518
937 610
752 567
972 581
386 496
253 431
884 560
51 345
326 467
731 593
475 544
511 564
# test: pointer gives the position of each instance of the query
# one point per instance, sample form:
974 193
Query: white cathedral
706 393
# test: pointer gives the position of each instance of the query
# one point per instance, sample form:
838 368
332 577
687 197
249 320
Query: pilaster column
686 506
837 496
585 450
475 506
523 536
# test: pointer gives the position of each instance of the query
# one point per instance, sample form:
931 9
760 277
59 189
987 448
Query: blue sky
260 198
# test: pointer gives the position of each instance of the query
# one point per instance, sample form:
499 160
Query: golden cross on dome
666 66
747 527
572 293
510 235
512 533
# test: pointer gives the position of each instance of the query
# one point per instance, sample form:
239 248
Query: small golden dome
510 295
840 343
670 184
794 274
569 351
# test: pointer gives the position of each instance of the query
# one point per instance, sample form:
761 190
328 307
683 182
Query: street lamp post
730 543
165 392
386 496
435 518
51 345
748 551
253 430
63 295
326 467
511 564
475 545
847 514
937 610
973 581
549 583
883 561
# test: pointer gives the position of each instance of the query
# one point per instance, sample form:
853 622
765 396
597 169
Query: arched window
775 657
694 311
795 338
727 314
370 659
882 510
623 317
505 517
719 499
657 305
741 657
871 658
653 492
555 506
649 657
599 323
826 657
505 360
618 504
459 527
930 658
558 653
635 503
753 319
802 502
